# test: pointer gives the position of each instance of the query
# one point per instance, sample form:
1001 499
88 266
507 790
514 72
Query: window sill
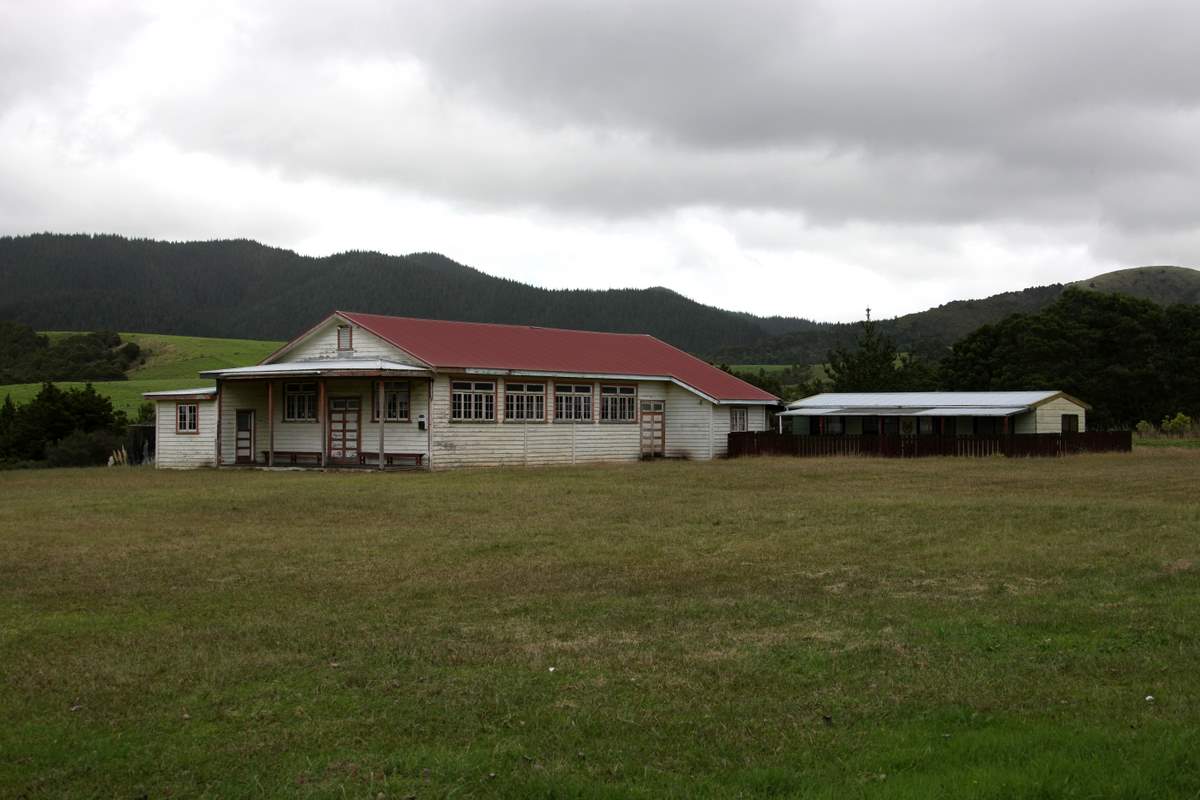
472 422
508 421
618 422
574 422
300 421
375 421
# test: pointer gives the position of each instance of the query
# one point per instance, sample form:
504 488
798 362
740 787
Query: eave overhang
322 368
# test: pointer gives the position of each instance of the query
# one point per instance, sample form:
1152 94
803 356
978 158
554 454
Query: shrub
1179 424
1144 428
80 449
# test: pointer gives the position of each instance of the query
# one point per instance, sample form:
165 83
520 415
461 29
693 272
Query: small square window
395 401
525 401
473 401
573 402
187 418
300 402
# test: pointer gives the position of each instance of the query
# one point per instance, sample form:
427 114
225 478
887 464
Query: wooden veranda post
270 423
219 404
323 416
382 417
429 425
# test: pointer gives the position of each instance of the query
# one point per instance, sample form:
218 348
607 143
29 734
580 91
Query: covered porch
321 414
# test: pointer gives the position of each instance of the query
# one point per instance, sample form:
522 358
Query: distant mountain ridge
1162 284
243 289
929 333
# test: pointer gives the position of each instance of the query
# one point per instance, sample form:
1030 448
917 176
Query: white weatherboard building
935 413
361 390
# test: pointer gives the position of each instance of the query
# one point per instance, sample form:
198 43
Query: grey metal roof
970 411
181 392
876 411
925 400
315 367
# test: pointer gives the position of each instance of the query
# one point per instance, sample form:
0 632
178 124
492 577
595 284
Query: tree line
1131 359
27 356
59 428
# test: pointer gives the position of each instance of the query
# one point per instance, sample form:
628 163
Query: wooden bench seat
292 456
390 459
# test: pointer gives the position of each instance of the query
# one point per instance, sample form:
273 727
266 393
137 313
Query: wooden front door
244 437
653 428
345 433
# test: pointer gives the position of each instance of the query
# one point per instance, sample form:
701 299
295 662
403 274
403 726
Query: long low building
361 390
935 413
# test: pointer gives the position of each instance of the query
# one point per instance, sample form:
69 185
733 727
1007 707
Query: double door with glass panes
345 429
653 428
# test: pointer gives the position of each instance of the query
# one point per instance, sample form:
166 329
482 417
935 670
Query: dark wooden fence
762 443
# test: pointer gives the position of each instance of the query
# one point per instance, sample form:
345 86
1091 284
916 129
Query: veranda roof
318 368
203 391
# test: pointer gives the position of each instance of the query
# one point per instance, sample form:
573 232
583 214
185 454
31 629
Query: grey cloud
888 111
48 48
1062 115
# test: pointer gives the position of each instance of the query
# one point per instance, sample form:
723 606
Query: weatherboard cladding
472 345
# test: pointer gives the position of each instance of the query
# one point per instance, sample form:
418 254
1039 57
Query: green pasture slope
818 369
172 363
807 628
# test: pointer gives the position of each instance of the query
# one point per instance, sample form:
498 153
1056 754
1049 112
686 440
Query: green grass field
750 628
1166 441
768 368
172 362
817 371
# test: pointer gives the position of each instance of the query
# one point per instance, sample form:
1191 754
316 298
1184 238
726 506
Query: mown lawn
751 628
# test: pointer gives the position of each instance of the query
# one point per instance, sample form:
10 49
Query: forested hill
243 289
1164 285
930 333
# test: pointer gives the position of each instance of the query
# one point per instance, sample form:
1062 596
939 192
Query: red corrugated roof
450 345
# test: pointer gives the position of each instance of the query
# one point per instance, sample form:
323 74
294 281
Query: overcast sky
798 158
